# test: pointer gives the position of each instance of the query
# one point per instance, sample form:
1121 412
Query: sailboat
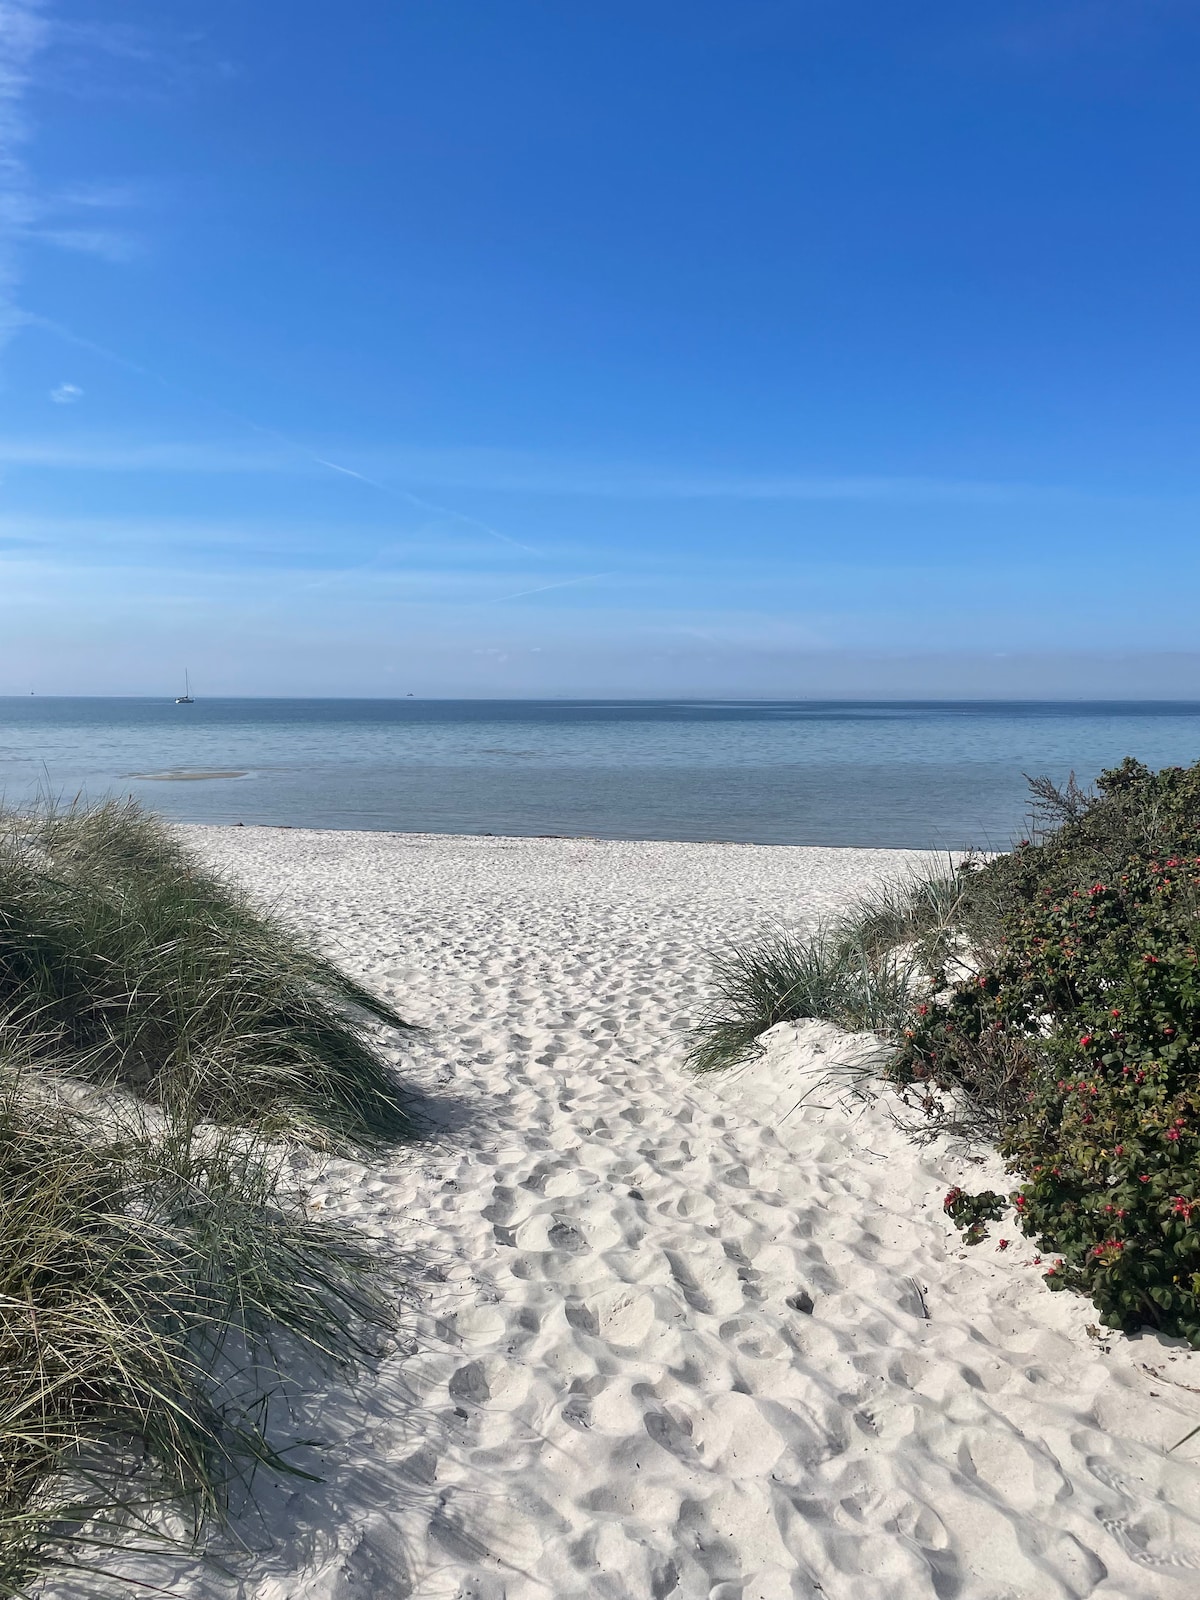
185 699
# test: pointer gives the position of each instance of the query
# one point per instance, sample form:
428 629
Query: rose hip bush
1094 973
970 1213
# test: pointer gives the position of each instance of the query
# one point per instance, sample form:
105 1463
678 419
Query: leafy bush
151 972
1094 990
970 1213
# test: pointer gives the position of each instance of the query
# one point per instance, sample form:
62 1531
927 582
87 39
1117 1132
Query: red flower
1002 1245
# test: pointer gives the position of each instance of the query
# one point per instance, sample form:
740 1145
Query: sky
771 348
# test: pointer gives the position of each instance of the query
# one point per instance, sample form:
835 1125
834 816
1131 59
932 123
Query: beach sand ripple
680 1338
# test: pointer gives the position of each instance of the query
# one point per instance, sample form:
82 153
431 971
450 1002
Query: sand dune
681 1338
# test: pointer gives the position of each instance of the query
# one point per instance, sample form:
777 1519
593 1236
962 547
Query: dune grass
857 971
133 1271
920 909
152 973
788 976
158 1274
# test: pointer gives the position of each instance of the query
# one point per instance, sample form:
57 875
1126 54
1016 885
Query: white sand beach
679 1337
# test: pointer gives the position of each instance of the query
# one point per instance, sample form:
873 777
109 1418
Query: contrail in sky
272 433
566 583
415 500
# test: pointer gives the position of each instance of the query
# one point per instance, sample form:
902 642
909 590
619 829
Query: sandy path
670 1339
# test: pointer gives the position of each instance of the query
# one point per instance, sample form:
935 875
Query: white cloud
66 394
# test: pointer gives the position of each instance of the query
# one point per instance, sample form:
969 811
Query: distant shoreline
845 774
999 702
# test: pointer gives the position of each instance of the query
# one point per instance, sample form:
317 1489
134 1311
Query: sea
907 774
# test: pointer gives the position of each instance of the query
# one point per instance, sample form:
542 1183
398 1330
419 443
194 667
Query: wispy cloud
110 244
294 447
632 481
495 470
524 473
102 196
123 41
100 454
238 542
114 60
22 35
66 394
26 214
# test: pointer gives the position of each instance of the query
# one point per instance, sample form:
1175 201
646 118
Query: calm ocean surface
843 773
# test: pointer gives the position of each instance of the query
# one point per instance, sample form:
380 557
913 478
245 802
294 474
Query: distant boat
185 699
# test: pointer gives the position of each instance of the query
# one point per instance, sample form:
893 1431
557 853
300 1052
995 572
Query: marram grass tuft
158 1278
153 974
133 1270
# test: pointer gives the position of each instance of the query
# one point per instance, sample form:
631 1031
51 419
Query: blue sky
776 347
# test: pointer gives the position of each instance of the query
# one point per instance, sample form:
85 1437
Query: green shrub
150 972
1095 989
971 1213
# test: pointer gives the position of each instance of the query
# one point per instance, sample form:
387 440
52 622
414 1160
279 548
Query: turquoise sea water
905 774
